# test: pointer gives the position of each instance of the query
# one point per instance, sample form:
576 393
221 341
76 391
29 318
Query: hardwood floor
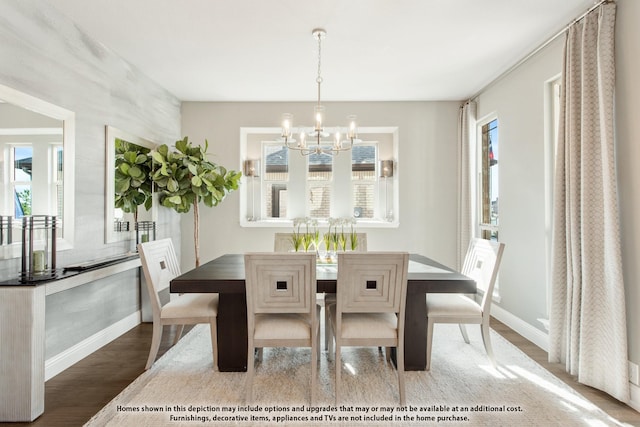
75 395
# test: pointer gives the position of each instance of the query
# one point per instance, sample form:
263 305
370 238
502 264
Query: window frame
249 139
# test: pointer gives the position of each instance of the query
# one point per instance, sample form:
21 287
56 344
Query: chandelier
318 140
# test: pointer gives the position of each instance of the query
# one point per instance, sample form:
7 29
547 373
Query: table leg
415 333
232 332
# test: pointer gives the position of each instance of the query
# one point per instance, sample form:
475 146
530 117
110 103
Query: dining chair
160 265
281 307
481 263
370 307
282 242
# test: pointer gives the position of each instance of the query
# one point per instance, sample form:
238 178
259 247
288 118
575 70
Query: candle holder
145 232
120 226
6 225
38 248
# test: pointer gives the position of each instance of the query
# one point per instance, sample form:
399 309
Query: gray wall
518 100
44 54
428 175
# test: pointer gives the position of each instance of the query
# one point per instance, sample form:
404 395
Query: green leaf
122 185
172 185
182 145
140 159
176 200
135 172
196 181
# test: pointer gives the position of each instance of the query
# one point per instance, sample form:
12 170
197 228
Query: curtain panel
466 167
588 330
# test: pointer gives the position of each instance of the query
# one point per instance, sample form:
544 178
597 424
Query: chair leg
486 339
387 353
178 334
338 363
214 342
155 344
314 372
429 341
329 335
249 379
463 331
400 370
318 348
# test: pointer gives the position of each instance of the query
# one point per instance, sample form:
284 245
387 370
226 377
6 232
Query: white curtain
588 330
466 166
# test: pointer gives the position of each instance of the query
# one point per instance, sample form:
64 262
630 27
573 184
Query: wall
628 154
518 100
44 54
427 151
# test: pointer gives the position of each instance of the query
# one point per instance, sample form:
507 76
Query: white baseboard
74 354
541 339
535 335
635 397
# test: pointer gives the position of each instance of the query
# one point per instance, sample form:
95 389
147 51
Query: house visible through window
276 177
363 180
489 181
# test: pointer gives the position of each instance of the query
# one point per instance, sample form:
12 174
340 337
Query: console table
22 333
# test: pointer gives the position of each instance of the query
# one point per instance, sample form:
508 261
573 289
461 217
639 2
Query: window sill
288 223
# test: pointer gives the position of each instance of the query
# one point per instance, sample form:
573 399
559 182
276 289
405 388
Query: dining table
225 276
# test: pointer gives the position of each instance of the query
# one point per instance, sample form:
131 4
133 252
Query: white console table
22 335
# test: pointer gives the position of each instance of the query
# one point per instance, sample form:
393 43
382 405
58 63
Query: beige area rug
462 389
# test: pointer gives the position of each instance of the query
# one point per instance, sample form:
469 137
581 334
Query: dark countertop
71 271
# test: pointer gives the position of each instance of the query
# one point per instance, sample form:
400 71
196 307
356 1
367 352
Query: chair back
280 283
282 242
481 263
160 265
372 282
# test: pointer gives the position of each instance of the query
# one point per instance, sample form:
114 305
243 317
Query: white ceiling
375 50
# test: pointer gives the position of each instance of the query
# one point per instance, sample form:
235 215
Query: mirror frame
68 118
111 133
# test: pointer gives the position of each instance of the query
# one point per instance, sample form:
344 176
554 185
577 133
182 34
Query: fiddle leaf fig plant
185 177
133 186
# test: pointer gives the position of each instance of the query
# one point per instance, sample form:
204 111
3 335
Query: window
488 197
319 186
22 160
276 177
363 180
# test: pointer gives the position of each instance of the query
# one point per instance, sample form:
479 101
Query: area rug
461 389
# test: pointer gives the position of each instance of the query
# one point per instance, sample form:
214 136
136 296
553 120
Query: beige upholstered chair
370 306
481 264
160 265
281 307
282 243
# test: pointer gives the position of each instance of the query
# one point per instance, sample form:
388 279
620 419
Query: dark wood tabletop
225 276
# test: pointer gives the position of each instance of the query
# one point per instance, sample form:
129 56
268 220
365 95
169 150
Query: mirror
128 194
36 167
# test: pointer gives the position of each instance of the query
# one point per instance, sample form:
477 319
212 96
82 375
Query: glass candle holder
6 225
38 248
145 232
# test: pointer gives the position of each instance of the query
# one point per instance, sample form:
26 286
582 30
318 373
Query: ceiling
375 50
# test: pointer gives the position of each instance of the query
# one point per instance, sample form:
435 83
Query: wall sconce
38 248
386 172
252 170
